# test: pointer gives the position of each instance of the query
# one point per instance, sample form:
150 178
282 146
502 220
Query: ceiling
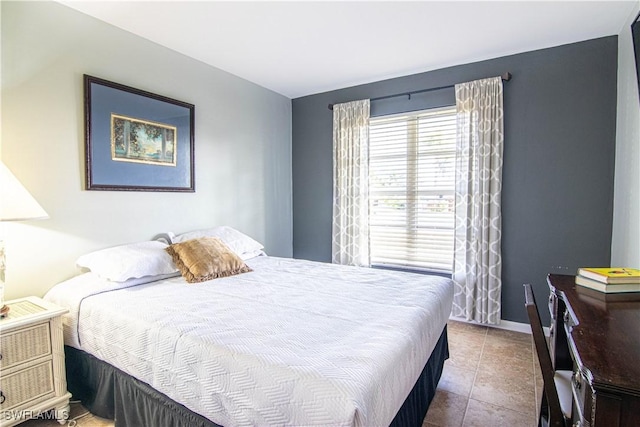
298 48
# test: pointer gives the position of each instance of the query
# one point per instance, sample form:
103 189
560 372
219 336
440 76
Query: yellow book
611 275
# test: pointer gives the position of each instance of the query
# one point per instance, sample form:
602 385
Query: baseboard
514 326
504 324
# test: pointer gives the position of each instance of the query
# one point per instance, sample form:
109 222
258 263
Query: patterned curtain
477 261
350 237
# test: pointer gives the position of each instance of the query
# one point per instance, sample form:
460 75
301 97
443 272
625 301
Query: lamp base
4 311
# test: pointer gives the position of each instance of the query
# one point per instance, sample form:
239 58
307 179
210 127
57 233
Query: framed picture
136 140
635 36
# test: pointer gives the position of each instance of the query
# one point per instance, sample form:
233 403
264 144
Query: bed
290 342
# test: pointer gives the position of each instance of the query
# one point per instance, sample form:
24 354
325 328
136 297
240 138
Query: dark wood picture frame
149 118
635 36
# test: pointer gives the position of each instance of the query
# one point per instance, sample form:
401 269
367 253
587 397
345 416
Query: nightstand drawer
28 386
24 345
32 371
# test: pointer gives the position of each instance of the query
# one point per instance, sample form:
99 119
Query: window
411 185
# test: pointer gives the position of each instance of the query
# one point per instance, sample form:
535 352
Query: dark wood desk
600 341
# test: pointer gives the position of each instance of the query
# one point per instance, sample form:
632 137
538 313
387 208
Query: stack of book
609 280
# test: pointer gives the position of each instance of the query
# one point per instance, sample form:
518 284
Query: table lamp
16 204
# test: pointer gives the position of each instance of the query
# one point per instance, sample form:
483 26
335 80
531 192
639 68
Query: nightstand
32 372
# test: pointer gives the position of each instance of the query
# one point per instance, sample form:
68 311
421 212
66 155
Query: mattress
292 343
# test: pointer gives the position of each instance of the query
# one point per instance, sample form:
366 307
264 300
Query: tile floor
491 379
79 417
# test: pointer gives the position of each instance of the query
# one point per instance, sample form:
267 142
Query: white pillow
244 246
130 261
248 255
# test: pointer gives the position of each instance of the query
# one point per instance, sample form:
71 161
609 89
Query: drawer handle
2 398
568 320
577 381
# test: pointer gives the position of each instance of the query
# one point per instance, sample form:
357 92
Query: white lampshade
16 204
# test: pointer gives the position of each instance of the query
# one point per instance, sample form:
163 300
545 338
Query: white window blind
411 189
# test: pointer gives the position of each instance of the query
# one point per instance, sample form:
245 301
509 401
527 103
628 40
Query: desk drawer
553 306
29 385
582 399
24 345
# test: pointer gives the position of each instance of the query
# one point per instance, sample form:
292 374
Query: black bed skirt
110 393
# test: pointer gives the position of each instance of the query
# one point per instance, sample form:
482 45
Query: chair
555 408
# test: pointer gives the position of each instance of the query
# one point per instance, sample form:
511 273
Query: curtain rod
505 77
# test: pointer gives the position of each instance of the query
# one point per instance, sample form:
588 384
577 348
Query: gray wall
560 131
242 144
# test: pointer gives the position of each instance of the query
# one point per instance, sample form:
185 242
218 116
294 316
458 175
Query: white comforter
293 343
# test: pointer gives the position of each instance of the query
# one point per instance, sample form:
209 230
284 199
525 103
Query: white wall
625 245
242 144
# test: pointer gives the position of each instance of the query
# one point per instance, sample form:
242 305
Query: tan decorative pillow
206 258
